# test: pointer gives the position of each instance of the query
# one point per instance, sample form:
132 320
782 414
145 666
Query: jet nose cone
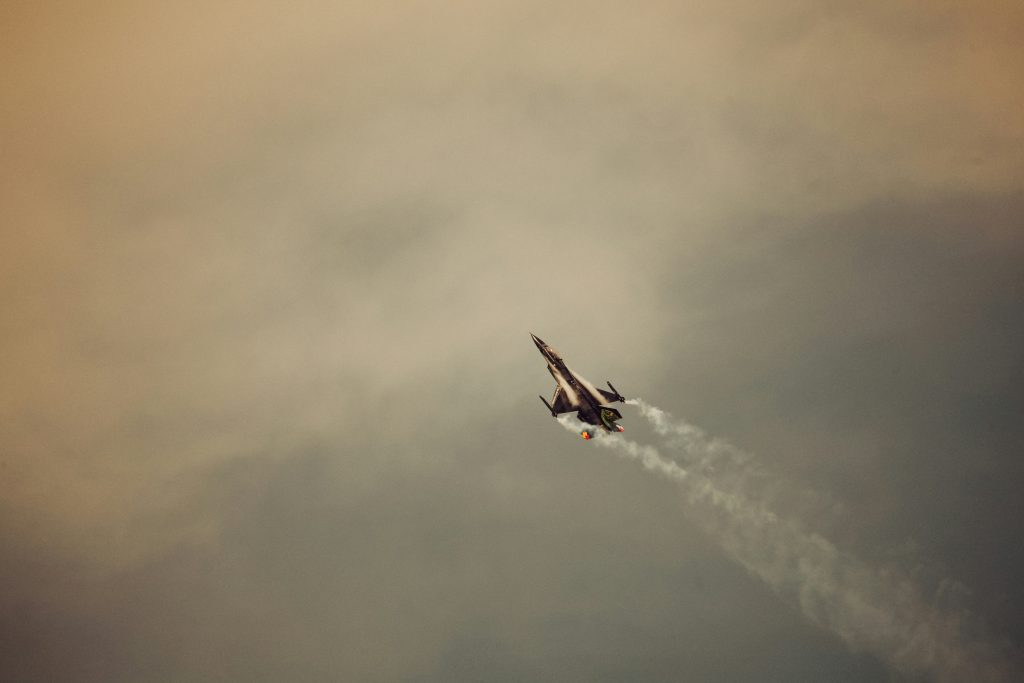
537 340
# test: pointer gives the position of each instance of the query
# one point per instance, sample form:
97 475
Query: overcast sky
267 392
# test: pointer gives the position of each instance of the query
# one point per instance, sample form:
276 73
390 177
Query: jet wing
608 396
563 403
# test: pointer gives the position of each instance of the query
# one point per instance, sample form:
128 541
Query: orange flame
585 435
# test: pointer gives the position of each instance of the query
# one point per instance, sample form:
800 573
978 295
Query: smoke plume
874 609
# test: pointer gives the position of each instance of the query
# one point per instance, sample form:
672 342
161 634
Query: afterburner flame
585 435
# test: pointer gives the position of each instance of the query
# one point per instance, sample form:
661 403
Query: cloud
875 609
242 239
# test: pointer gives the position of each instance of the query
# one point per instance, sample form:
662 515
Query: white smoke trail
648 456
878 610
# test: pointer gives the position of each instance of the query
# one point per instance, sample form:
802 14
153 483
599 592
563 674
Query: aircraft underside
574 394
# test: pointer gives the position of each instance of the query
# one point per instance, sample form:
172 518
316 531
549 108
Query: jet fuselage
574 393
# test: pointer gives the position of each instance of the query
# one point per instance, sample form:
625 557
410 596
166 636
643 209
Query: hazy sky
267 393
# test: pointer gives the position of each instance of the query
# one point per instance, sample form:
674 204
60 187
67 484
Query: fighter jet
574 393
